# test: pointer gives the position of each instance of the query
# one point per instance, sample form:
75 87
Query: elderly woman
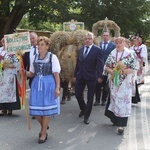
141 55
45 87
9 95
120 67
135 91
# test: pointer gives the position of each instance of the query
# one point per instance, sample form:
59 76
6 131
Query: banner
17 41
73 26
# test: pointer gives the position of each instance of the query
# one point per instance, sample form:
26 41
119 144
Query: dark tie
34 50
85 53
104 45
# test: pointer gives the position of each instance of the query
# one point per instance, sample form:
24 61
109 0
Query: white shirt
142 53
32 53
106 45
88 49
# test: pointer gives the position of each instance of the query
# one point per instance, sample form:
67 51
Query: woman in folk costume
9 95
45 87
140 52
135 91
145 60
120 66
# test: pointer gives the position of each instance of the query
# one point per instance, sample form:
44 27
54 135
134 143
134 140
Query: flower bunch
5 64
118 70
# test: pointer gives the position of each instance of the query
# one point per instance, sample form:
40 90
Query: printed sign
17 41
73 26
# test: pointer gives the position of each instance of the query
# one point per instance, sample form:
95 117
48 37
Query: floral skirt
42 100
12 105
117 121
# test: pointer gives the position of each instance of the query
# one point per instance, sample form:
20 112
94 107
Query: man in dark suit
88 71
107 46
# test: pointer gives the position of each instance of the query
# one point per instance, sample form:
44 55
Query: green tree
128 14
12 12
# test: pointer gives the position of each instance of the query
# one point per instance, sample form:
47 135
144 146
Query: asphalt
68 132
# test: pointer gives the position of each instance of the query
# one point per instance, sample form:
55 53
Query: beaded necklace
120 56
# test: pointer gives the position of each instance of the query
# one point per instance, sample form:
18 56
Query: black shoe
81 113
33 117
103 103
62 101
86 121
120 131
43 141
96 103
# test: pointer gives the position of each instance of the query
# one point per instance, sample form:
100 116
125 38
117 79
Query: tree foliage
130 15
12 12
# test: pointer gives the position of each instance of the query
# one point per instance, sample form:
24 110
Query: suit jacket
28 56
111 46
91 66
26 60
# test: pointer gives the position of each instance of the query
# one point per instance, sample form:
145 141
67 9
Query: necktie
104 45
34 50
85 53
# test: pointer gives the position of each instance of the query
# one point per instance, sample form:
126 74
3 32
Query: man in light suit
107 46
88 72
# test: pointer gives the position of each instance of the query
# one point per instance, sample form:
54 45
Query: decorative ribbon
40 83
116 73
1 66
22 89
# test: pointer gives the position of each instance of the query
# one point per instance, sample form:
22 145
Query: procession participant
29 56
9 95
145 59
135 90
140 52
88 71
102 88
120 66
45 87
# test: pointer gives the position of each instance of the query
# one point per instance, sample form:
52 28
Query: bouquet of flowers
5 64
118 70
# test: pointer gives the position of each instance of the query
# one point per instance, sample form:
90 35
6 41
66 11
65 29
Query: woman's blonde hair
45 39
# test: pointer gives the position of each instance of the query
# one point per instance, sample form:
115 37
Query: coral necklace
120 56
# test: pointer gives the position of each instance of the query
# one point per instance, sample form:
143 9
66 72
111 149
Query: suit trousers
102 88
79 92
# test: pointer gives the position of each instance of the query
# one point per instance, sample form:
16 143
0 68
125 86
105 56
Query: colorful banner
17 42
73 26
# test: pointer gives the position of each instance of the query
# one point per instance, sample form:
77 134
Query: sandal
3 112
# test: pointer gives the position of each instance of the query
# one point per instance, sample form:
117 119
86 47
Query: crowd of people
111 71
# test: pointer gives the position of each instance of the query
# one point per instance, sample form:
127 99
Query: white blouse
55 64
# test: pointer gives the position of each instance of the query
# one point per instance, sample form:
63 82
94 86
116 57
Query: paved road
68 132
